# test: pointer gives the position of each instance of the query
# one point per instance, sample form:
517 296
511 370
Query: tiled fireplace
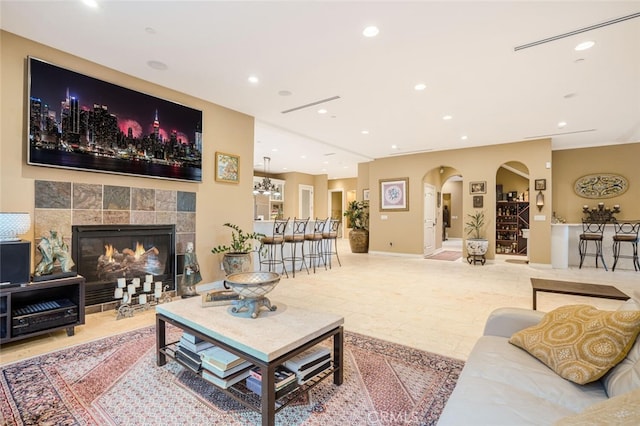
60 206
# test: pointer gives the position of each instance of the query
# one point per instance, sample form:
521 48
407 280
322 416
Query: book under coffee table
267 342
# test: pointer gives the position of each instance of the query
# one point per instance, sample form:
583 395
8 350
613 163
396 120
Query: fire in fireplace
104 253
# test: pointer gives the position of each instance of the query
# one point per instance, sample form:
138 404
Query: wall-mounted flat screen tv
80 122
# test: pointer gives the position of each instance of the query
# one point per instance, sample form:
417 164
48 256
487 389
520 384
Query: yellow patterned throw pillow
580 342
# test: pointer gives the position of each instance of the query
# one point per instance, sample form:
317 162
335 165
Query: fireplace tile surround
60 205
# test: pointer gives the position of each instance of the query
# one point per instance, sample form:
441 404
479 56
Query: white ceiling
463 52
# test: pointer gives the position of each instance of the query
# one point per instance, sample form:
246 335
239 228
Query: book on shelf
194 356
221 358
188 361
219 297
224 373
224 382
282 376
194 347
308 359
304 375
255 386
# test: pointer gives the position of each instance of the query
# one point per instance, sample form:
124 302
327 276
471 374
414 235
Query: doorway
336 208
430 220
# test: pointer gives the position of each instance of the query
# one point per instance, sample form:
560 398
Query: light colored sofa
502 384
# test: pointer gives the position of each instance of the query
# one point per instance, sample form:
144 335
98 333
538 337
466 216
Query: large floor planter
359 241
236 262
476 249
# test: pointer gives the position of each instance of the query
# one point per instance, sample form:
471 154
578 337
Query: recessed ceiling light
253 79
157 65
394 146
364 132
370 31
464 137
274 149
322 111
585 45
285 93
420 86
90 3
447 117
561 124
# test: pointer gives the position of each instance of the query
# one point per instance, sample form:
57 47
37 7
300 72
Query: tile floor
438 306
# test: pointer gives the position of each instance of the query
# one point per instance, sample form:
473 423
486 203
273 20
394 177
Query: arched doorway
512 209
442 192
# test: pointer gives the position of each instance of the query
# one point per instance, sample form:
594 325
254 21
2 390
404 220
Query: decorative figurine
191 275
53 248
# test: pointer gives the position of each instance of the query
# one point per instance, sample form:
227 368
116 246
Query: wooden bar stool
626 232
591 232
329 240
269 245
314 249
294 239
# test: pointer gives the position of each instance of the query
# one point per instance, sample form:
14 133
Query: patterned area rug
446 255
115 381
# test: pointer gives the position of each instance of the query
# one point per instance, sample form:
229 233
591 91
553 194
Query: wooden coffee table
266 341
576 289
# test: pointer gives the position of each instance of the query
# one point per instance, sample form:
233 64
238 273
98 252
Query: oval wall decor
604 185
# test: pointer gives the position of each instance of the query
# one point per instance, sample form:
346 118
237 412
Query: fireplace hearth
104 253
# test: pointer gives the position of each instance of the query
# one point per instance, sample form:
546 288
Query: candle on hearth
158 285
158 293
136 282
125 297
147 286
148 278
142 299
118 293
131 289
122 282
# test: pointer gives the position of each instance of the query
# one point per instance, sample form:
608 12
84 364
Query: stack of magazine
309 363
189 349
285 381
222 368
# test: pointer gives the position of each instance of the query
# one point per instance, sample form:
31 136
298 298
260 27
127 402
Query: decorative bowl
252 285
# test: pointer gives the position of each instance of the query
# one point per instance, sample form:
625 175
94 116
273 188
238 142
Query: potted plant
357 215
237 257
477 245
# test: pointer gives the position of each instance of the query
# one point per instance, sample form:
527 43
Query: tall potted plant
357 215
477 245
237 257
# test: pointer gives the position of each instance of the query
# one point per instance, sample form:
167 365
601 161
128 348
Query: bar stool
329 240
591 231
270 243
314 252
296 237
626 232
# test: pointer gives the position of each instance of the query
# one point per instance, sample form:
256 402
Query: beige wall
404 229
223 130
572 164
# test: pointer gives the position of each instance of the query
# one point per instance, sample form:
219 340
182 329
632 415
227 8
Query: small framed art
394 194
541 184
478 201
227 167
478 187
365 195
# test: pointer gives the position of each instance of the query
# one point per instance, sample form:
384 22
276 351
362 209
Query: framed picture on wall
365 195
478 201
394 194
227 167
478 187
541 184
